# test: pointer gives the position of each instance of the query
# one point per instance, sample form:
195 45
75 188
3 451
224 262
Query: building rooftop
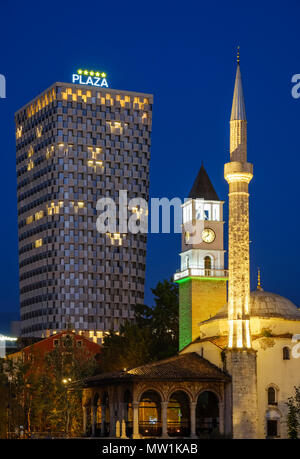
183 367
203 188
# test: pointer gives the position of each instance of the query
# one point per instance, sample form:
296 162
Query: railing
200 272
207 426
179 429
37 435
150 430
98 429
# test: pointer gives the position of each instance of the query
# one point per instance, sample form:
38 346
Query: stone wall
199 299
241 365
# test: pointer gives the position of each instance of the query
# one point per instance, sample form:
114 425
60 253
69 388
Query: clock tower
201 277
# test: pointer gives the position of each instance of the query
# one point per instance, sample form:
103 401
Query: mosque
236 368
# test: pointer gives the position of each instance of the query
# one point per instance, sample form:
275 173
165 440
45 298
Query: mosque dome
267 304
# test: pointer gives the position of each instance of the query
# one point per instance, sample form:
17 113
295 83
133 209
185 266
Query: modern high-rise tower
76 144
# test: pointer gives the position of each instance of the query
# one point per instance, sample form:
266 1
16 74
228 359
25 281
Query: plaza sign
90 77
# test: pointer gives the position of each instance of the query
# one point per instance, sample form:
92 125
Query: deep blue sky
183 53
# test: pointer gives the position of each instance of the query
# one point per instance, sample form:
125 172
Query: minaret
240 357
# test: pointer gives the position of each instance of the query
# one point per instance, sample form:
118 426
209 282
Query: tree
292 419
36 390
152 336
293 416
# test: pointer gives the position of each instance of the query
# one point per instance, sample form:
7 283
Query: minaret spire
238 111
259 287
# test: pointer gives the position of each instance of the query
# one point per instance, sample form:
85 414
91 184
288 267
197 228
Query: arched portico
150 414
207 414
178 414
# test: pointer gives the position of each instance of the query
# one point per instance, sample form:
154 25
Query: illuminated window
19 132
39 215
30 165
54 208
38 243
115 238
29 219
115 127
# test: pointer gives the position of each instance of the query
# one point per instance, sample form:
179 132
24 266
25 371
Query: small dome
267 304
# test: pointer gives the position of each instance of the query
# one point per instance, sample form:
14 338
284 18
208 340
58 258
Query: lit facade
75 145
202 278
239 365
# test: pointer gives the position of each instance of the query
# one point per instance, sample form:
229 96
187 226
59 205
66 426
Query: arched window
272 396
150 414
286 353
207 265
187 261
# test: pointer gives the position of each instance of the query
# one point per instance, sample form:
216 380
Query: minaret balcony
190 272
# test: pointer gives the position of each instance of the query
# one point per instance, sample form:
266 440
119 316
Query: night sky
183 53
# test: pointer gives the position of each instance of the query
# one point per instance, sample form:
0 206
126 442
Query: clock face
208 235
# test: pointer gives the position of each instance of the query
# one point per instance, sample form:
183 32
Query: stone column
103 417
135 410
124 414
112 425
193 406
221 417
84 412
93 420
164 419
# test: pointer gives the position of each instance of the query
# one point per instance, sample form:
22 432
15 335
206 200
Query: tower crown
202 187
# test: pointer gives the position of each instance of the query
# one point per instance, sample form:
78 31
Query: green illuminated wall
199 299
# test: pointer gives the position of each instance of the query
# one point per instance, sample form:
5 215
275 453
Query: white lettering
75 77
295 79
81 79
2 87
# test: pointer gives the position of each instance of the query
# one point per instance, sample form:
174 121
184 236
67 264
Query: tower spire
238 111
259 287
